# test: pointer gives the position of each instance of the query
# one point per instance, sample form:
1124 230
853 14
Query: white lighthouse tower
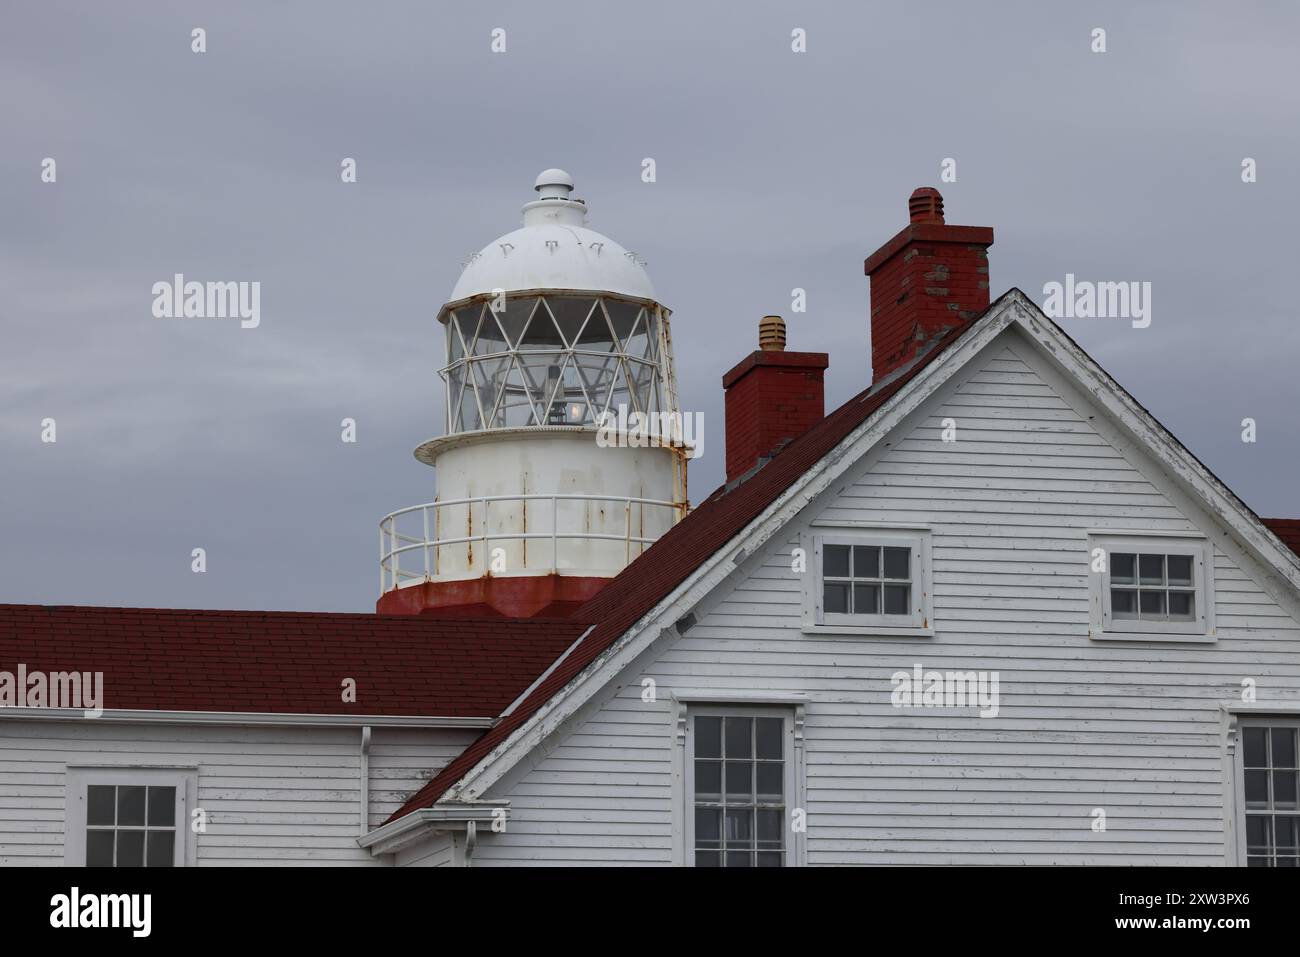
552 330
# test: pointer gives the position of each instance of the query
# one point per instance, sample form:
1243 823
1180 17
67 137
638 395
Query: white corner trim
146 716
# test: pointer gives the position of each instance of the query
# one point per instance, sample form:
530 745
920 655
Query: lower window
739 764
133 817
130 825
1271 780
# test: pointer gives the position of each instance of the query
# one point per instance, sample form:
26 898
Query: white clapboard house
989 611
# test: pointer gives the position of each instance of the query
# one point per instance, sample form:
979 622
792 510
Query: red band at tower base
525 596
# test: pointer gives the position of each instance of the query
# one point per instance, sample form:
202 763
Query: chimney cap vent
771 334
926 205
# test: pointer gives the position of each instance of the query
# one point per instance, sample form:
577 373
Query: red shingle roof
1287 529
651 577
287 662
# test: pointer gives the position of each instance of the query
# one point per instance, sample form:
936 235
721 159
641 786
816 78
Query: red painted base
531 596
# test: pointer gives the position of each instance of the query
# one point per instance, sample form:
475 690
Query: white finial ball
557 178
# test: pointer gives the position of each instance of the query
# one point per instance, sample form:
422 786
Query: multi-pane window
130 825
1151 586
868 582
866 579
739 800
1272 796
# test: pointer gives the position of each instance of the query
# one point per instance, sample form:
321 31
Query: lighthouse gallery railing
395 542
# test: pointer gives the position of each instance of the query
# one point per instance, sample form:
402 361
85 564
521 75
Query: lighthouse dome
554 249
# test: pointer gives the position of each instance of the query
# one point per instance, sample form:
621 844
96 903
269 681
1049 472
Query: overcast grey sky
775 170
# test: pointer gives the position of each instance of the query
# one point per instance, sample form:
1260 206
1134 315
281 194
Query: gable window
739 782
1271 782
868 582
1150 587
132 817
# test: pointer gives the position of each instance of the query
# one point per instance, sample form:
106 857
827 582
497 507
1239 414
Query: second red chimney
773 396
926 280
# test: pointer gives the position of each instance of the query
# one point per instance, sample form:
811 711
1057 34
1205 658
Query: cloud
775 171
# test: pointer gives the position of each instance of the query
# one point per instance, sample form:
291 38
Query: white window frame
1240 721
78 779
1103 626
792 709
918 624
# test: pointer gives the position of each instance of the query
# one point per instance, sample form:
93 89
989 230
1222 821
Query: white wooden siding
273 795
1133 728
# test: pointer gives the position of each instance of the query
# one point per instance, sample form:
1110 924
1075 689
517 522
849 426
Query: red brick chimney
924 281
772 396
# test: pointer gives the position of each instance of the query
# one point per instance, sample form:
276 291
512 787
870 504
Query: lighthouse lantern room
552 331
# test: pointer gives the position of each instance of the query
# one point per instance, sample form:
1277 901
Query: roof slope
287 662
649 579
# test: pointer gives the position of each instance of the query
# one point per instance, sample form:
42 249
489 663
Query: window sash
1271 776
1111 619
731 848
118 828
855 586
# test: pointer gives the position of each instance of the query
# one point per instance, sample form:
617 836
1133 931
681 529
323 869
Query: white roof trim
546 674
443 816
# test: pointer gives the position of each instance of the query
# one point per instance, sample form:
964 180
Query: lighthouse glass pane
620 396
516 407
623 319
455 348
517 316
478 395
637 343
597 374
543 374
468 405
482 336
641 375
577 409
490 377
597 335
571 314
541 332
